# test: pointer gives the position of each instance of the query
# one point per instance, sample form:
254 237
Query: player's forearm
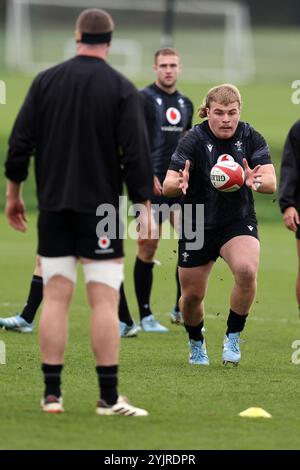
171 185
13 190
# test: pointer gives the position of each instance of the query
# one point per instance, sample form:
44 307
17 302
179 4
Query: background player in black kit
81 119
289 190
230 226
168 116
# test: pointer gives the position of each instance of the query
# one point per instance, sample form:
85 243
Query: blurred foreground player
75 120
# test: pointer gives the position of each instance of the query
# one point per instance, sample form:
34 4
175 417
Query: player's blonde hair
223 94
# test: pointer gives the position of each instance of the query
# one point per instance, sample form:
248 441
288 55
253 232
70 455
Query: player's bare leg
53 328
24 322
105 337
176 315
143 284
105 340
193 283
241 253
53 335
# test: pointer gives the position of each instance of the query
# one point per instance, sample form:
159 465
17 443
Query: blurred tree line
263 12
274 12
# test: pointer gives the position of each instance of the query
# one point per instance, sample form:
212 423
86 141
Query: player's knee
147 250
246 274
58 289
192 299
62 266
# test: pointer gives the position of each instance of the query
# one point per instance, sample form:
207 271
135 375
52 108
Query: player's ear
78 35
154 66
179 68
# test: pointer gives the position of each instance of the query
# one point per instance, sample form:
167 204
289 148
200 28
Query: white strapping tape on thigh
105 272
61 266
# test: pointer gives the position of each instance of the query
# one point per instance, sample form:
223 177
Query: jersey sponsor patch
104 245
104 242
173 116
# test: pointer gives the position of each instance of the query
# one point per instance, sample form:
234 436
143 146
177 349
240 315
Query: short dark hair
165 51
94 21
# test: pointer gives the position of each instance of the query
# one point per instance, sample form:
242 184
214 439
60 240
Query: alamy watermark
295 98
296 354
2 352
2 92
188 222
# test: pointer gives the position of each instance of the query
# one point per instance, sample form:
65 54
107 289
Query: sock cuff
52 368
142 263
195 332
36 278
107 370
234 313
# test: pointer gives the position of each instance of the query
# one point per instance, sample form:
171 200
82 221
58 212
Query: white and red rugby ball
227 175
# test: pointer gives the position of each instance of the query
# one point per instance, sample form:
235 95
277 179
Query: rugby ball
227 176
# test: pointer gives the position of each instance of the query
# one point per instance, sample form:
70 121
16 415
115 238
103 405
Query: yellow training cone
255 413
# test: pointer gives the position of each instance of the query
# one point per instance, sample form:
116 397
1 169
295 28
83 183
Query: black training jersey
84 123
203 149
289 187
168 117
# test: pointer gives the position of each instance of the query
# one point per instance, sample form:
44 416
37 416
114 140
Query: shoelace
198 352
234 344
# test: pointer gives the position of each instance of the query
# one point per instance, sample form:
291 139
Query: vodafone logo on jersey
104 243
173 116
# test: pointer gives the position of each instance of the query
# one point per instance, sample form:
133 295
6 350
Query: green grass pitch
190 407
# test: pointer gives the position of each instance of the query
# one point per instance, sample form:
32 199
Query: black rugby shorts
213 241
69 233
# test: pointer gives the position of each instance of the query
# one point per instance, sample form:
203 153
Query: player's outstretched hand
184 176
252 176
